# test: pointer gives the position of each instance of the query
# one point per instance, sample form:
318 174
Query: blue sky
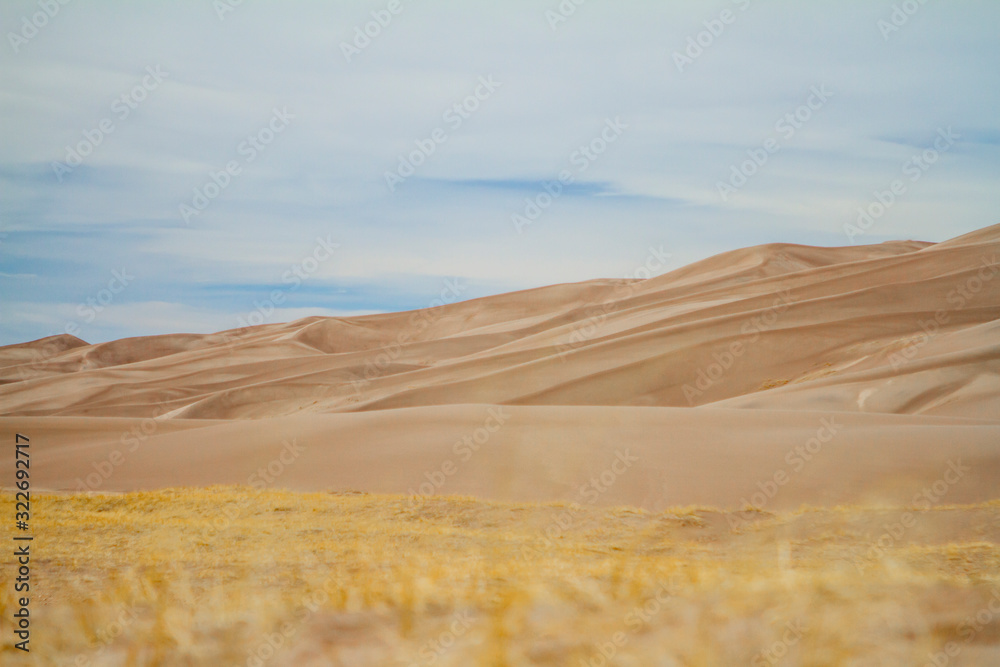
172 101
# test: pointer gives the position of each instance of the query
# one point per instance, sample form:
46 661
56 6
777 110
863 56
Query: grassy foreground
236 576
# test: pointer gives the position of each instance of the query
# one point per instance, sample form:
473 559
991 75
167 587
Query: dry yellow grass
235 576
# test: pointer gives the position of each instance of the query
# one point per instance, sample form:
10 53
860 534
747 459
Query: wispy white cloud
325 175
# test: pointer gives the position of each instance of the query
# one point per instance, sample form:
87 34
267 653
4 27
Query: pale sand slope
899 343
650 457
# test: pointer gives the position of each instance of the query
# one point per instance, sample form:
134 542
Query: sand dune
711 375
649 457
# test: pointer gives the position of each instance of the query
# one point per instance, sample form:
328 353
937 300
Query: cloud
325 174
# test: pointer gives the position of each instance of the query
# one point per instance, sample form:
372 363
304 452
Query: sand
774 376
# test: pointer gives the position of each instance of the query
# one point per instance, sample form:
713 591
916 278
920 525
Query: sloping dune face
899 328
774 337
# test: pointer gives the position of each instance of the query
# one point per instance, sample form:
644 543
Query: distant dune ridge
774 376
